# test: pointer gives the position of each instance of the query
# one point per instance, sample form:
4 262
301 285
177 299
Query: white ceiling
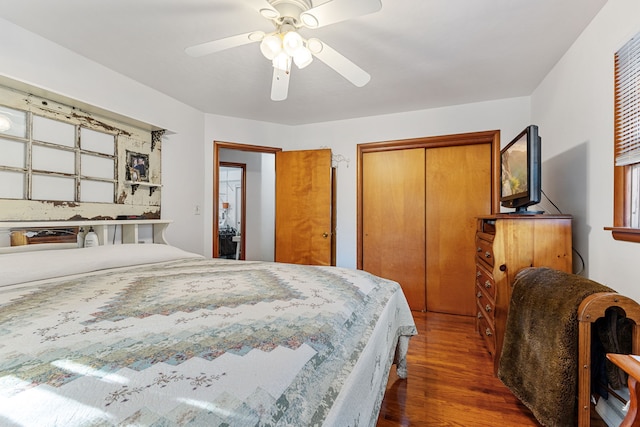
420 53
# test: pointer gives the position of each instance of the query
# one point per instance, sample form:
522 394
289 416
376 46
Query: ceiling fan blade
339 63
279 85
223 44
264 7
338 10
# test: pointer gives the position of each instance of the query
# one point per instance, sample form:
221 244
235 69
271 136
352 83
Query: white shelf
135 184
101 227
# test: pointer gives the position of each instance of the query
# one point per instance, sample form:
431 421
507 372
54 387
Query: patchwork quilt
200 342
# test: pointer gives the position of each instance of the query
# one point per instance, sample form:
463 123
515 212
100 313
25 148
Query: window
626 222
47 159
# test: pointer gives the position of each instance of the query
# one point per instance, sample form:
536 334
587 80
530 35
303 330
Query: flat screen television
521 174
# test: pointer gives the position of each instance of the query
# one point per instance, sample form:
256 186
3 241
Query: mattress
152 335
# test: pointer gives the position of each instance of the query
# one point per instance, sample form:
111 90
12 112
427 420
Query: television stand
505 244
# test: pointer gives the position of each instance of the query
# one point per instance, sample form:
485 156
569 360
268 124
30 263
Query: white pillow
25 267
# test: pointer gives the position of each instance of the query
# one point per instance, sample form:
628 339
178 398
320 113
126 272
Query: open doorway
303 222
257 238
231 210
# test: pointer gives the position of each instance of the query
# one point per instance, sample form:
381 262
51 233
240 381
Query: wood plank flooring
451 381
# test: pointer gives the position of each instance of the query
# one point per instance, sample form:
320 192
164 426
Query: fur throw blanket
540 349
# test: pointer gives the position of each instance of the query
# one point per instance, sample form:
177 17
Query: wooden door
458 189
393 219
304 208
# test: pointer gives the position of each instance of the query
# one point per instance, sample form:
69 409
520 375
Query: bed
148 334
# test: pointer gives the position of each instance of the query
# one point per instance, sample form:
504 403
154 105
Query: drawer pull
479 315
488 308
488 332
479 294
487 254
478 274
487 284
479 249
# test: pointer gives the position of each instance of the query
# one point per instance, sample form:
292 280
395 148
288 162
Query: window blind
627 99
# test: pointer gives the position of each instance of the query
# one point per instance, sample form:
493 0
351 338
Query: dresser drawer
485 329
484 250
485 280
487 304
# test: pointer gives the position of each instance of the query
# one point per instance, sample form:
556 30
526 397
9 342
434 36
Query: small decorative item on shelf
91 239
80 237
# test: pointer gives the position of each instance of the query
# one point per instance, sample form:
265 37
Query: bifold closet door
418 221
393 221
458 189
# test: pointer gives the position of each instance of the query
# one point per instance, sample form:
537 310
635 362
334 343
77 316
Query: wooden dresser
505 244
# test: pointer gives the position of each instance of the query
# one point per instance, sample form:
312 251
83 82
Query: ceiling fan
285 45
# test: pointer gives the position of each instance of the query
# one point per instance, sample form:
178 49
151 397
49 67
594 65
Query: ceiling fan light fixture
309 20
285 45
271 46
292 43
302 58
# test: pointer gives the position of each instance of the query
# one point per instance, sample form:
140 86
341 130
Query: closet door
393 220
458 189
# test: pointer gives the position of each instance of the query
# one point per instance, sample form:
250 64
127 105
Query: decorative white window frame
75 149
128 134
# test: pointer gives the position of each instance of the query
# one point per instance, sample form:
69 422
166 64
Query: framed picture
137 166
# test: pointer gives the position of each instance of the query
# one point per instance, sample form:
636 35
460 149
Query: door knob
325 234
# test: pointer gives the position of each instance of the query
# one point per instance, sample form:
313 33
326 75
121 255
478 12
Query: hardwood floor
451 381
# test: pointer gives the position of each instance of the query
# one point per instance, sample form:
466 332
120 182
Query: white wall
267 223
31 59
574 108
